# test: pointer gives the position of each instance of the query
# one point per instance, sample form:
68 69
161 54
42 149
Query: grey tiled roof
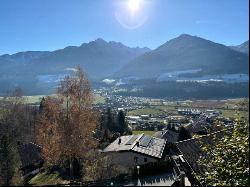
168 135
29 153
191 149
154 148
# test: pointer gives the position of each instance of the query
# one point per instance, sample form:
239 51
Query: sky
45 25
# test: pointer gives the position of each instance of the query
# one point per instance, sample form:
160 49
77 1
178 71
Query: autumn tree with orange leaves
66 123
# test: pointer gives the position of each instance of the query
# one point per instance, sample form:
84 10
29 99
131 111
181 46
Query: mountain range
39 71
98 58
187 54
244 47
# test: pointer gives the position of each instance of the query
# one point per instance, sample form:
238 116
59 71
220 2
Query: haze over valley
124 93
185 59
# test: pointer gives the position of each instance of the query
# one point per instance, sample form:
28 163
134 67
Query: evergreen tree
9 161
110 121
122 125
41 106
184 134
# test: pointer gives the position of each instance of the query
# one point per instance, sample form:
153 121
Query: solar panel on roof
131 140
145 141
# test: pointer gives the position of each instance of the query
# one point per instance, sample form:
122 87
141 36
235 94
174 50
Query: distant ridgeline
184 67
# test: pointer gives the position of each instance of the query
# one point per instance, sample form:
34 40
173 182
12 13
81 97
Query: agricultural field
229 108
150 133
35 99
234 114
99 99
167 109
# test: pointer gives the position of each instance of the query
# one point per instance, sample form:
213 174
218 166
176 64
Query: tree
111 121
228 160
68 123
17 117
48 130
9 162
41 106
15 126
123 126
184 134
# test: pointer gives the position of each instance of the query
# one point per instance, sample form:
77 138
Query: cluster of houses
117 102
137 150
146 122
133 151
184 117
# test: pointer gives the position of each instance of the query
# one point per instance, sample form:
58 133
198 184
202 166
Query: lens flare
133 5
132 14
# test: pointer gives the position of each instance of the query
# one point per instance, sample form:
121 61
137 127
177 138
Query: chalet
190 152
130 151
176 121
31 159
168 135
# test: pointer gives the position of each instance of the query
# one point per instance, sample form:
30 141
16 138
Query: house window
145 159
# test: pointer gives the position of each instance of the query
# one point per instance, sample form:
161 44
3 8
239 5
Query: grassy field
168 109
35 99
150 133
234 114
45 178
99 99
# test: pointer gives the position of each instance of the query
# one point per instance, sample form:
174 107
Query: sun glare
132 14
133 5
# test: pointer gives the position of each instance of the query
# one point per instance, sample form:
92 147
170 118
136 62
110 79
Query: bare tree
74 119
48 131
17 117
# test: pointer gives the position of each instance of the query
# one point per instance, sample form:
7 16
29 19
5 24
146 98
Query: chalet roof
168 135
191 149
148 145
29 153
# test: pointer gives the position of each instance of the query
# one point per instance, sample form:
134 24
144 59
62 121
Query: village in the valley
163 142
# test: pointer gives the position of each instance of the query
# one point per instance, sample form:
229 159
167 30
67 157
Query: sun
132 14
133 5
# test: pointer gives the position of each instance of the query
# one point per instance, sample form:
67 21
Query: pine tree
123 126
41 106
184 134
110 121
9 161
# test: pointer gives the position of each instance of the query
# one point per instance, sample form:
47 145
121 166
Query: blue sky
54 24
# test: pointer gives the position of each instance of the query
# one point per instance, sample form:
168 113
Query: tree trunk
71 168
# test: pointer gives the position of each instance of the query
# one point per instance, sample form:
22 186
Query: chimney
119 141
137 144
182 178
